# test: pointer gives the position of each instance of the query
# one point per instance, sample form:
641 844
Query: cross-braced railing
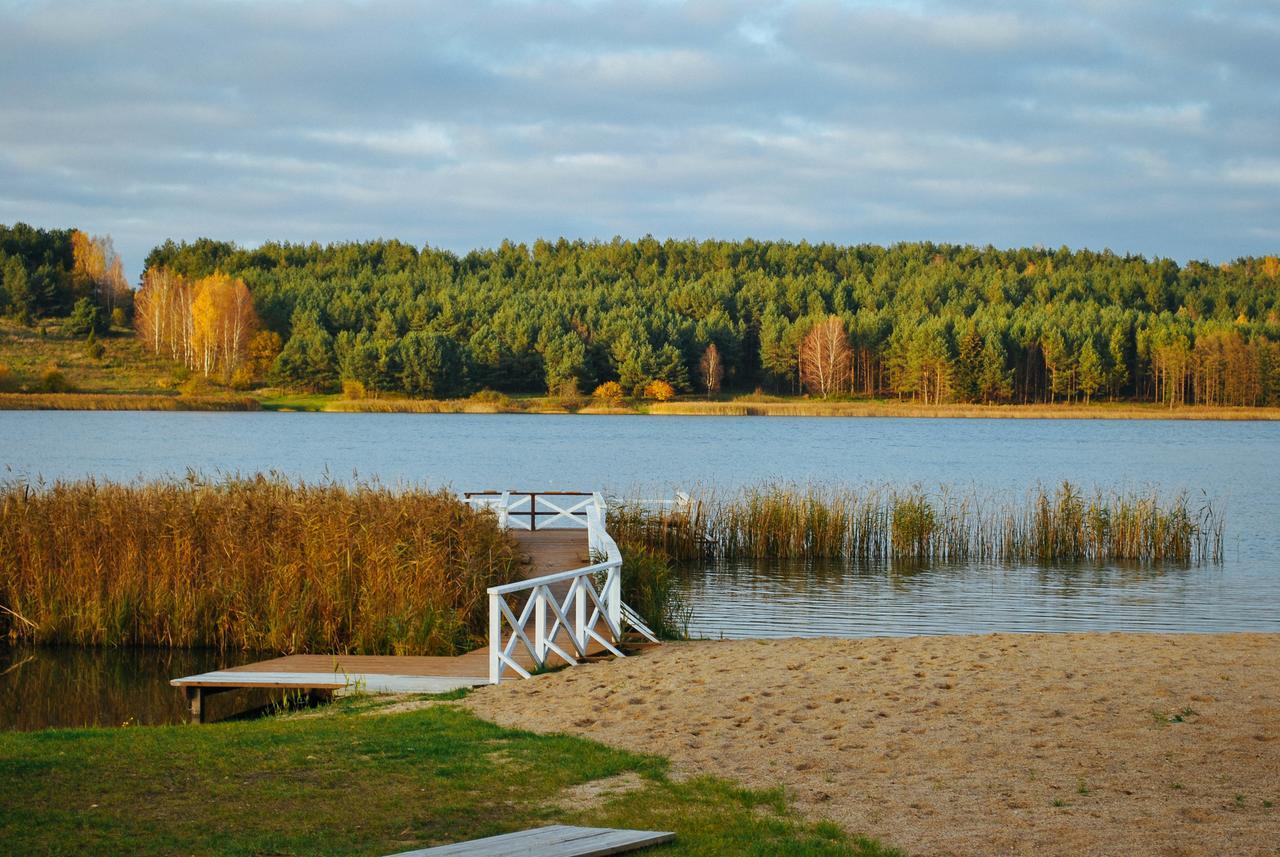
573 614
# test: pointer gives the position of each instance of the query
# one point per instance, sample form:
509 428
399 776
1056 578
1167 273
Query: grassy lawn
352 779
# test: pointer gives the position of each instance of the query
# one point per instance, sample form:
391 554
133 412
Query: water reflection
74 687
797 598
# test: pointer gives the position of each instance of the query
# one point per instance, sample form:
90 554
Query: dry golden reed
256 564
123 402
887 523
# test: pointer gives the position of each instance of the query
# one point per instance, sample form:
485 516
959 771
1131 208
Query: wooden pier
546 552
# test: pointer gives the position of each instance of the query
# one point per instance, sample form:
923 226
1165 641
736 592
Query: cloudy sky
1150 127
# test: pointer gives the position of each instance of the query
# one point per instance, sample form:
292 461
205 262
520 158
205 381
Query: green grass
348 781
309 402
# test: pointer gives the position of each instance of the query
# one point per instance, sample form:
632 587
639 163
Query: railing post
540 626
580 612
495 639
615 598
502 509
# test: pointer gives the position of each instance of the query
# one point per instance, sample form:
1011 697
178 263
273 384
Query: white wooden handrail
590 610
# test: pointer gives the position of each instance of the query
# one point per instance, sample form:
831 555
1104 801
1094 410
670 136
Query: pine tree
967 382
1091 374
995 381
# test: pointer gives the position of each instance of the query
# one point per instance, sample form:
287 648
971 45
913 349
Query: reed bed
881 523
252 564
749 407
123 402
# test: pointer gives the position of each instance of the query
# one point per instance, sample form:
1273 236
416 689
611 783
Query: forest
918 321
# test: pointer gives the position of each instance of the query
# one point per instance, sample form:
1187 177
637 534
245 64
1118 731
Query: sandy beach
1003 744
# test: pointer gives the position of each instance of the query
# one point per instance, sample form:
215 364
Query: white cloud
1143 126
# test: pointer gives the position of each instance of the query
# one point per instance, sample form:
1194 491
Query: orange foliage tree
609 392
659 391
97 265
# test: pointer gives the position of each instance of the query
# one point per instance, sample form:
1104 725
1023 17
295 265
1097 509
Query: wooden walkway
545 552
556 840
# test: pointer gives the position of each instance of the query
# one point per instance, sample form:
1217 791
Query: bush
568 396
94 349
659 391
85 318
8 381
198 385
353 389
500 401
53 381
609 393
242 378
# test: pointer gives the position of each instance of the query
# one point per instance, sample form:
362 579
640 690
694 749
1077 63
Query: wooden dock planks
544 552
557 840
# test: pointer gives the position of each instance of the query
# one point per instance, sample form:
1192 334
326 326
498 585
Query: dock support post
195 700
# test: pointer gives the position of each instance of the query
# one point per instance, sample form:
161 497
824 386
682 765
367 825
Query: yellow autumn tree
659 391
222 323
98 268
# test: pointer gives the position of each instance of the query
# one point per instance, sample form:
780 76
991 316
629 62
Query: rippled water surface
1237 464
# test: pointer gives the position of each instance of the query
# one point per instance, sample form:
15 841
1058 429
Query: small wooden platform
558 840
544 552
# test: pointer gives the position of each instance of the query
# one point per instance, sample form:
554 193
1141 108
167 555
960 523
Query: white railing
588 609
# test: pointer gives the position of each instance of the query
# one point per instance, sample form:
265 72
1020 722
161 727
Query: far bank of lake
743 406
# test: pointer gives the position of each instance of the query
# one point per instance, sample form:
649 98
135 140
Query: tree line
920 320
62 273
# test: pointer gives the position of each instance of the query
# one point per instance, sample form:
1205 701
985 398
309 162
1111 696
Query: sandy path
1017 744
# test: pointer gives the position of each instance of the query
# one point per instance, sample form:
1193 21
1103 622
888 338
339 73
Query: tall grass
123 402
650 586
888 523
755 406
259 564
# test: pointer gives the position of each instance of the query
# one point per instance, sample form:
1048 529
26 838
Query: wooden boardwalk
545 552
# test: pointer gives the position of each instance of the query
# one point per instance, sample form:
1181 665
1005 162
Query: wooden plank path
545 552
557 840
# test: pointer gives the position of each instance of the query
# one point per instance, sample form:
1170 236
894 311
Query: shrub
118 318
659 391
8 381
53 381
94 349
85 317
568 395
242 378
198 385
610 393
353 389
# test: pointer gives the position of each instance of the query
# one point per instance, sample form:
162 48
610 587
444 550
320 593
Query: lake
1236 464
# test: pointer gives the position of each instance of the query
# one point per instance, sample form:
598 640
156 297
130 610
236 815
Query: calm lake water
1235 464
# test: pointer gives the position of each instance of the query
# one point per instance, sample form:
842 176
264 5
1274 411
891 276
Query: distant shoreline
745 407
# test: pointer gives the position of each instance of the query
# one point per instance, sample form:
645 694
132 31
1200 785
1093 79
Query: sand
1017 744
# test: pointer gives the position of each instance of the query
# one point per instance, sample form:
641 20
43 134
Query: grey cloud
1142 126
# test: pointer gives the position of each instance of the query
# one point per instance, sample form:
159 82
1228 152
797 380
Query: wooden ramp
545 552
558 840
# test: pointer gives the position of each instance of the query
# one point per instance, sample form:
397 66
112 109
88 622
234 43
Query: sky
1145 127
